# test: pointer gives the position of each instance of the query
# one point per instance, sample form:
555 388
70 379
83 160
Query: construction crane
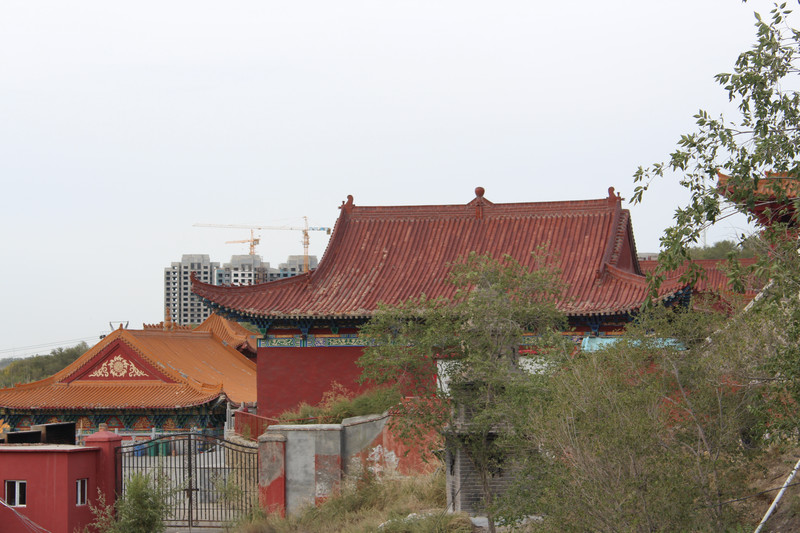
253 241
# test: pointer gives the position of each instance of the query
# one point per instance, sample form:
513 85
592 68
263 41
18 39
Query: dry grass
338 403
364 504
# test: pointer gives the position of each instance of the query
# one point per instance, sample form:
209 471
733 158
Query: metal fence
206 481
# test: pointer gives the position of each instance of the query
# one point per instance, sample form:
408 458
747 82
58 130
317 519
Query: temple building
389 254
163 377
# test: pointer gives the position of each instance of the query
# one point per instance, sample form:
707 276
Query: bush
141 509
338 403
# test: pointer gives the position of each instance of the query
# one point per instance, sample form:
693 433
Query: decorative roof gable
143 369
117 362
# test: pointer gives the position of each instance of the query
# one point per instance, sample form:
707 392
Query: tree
650 434
40 366
764 139
725 249
475 337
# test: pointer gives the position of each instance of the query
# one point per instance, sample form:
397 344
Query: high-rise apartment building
244 270
294 266
186 308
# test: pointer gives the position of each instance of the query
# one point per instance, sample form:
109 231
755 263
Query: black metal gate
206 481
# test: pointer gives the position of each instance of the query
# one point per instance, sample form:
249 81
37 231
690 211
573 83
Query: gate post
272 473
107 442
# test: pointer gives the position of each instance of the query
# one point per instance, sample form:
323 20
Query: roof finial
479 202
349 205
167 319
613 199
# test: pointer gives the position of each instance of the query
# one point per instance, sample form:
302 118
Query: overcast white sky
122 124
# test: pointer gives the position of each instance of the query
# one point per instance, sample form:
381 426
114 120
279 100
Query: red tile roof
143 369
714 281
771 199
389 254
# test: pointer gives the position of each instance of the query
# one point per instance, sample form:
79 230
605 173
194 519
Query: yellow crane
253 240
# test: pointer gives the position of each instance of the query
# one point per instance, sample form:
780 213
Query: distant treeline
38 366
722 249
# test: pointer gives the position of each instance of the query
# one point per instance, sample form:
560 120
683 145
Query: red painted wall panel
50 476
290 376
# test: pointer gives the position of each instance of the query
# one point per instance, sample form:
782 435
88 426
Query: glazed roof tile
714 280
230 332
389 254
156 369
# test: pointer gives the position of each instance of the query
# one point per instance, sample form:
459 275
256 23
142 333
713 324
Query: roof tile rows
174 368
389 254
714 278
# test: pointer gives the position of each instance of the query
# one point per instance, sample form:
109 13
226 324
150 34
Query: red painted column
107 442
272 473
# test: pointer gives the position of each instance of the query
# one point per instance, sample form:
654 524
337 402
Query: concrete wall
464 488
302 465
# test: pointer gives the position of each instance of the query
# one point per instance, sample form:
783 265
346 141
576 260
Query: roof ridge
85 358
625 275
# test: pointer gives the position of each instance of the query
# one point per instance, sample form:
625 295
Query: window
16 493
82 489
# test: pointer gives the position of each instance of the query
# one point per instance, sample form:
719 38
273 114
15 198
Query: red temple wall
290 376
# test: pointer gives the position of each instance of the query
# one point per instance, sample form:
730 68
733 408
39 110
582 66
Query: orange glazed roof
389 254
143 369
230 332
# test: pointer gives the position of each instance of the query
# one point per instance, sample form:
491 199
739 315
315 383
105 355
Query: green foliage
725 249
778 367
338 404
477 335
40 366
141 509
251 328
648 435
103 514
763 138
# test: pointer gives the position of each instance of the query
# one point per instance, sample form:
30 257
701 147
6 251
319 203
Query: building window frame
81 491
16 492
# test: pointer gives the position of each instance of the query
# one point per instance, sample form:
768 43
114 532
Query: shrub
339 403
140 510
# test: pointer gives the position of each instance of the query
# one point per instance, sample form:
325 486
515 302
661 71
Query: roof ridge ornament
349 205
168 324
479 192
612 199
